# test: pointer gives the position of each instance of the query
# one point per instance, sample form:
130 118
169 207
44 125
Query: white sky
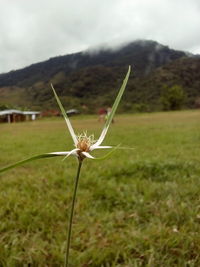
35 30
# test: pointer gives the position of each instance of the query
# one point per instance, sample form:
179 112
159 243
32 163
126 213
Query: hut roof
15 111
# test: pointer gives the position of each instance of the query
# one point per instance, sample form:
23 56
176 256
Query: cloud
33 31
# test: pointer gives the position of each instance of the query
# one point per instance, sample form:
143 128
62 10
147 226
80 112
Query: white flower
83 144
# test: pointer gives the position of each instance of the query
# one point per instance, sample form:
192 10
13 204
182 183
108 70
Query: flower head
85 142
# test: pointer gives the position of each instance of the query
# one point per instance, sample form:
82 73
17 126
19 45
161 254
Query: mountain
89 80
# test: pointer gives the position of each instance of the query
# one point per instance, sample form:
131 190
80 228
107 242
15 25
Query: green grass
139 207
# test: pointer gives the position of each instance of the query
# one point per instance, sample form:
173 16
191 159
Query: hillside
145 94
88 80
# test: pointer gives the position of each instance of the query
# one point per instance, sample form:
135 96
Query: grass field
139 207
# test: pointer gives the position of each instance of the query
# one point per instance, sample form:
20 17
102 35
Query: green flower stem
72 213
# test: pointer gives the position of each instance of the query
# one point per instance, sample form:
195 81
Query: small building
72 111
13 115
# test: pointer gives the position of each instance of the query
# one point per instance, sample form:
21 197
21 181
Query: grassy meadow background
139 207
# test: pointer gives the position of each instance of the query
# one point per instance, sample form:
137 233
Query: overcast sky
35 30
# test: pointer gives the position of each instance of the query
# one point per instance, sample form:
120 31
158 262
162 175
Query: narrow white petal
114 107
61 153
88 155
102 136
93 147
107 155
71 130
72 152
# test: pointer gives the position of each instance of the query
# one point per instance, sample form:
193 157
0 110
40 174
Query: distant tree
197 102
173 98
4 106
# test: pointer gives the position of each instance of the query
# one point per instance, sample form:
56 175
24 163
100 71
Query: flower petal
46 155
72 152
101 158
114 107
93 147
87 155
71 130
62 153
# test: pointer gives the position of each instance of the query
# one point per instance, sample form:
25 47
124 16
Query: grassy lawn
139 207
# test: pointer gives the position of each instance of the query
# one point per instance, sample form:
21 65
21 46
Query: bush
173 98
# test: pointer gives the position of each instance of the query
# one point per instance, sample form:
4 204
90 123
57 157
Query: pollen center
83 145
84 142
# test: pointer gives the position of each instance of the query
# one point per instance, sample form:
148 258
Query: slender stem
72 213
